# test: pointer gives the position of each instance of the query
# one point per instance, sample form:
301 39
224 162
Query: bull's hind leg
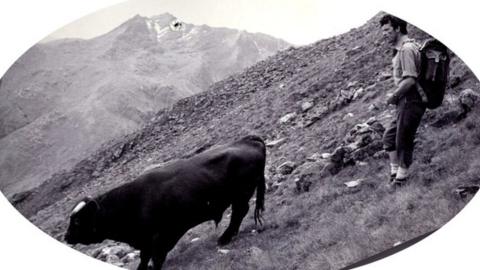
239 210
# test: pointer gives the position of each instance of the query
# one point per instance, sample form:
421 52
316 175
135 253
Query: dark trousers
400 134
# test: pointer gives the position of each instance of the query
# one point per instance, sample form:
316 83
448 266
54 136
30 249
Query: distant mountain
62 99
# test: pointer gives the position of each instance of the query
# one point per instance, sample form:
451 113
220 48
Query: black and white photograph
238 135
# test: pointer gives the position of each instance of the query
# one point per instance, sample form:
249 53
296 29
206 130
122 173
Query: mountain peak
162 20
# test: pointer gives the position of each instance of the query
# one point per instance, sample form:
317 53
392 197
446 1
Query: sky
297 22
25 22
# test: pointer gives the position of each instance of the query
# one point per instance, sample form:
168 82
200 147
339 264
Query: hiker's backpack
434 70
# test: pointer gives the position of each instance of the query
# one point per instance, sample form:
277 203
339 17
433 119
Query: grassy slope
330 226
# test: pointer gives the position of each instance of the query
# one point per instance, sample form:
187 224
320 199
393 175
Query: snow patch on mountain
157 28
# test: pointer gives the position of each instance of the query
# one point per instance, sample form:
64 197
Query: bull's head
83 223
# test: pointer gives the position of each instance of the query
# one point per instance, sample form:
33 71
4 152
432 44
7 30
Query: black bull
152 212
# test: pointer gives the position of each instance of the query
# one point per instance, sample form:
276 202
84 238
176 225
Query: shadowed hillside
321 110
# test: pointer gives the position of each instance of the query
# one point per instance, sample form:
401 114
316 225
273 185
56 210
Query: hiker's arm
405 85
407 57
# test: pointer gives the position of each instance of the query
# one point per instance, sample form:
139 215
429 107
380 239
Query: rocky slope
321 110
62 99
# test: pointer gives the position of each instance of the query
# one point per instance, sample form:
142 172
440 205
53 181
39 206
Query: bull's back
211 177
249 154
250 148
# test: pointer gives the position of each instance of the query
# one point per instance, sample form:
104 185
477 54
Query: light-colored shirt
406 62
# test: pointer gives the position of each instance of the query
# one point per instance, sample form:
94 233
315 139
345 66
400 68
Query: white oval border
24 22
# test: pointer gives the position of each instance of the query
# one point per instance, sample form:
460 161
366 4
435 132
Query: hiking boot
395 184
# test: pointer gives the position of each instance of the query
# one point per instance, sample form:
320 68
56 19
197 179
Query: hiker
398 139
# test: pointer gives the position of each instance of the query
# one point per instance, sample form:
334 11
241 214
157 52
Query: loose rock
307 106
317 157
287 118
274 142
373 107
354 183
223 251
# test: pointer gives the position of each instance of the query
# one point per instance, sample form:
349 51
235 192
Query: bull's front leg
162 244
145 255
239 210
158 260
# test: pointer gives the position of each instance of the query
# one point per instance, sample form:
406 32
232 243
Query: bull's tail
260 202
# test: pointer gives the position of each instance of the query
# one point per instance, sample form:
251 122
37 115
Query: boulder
302 184
331 168
118 254
358 93
338 155
369 150
468 98
452 115
286 168
308 173
378 128
344 98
